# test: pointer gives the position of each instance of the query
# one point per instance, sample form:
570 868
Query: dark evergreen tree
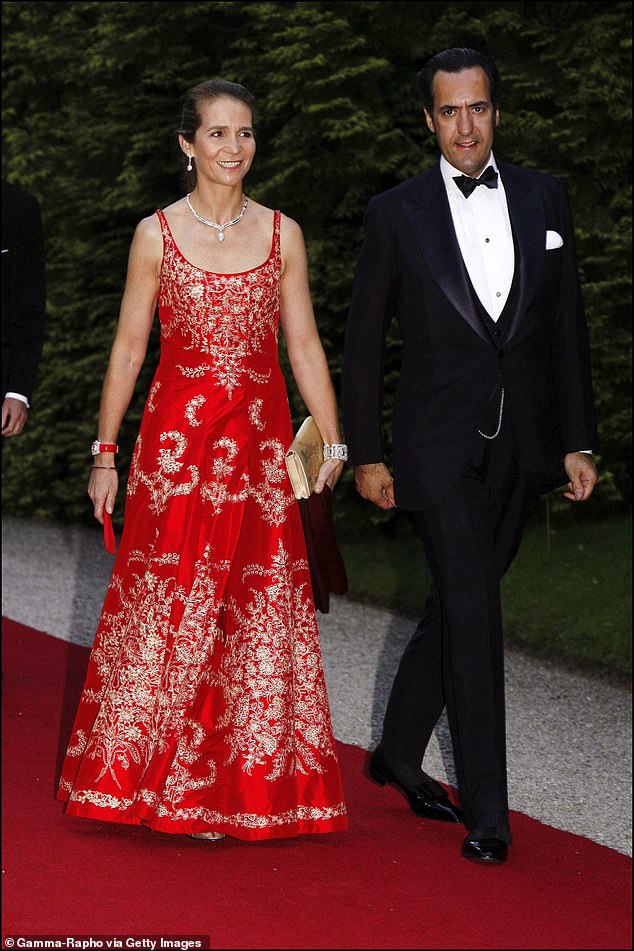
91 96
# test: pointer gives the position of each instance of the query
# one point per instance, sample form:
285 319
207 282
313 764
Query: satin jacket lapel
432 224
528 218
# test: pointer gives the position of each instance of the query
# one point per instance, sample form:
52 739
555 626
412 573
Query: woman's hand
329 474
102 489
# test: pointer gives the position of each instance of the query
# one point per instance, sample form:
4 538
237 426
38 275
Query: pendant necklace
213 224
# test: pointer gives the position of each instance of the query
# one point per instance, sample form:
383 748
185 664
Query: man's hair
455 61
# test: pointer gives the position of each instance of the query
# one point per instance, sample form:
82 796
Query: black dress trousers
455 658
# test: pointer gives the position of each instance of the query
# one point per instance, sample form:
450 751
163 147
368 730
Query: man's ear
430 122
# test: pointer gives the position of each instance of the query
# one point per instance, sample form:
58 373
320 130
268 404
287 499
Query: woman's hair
454 61
190 112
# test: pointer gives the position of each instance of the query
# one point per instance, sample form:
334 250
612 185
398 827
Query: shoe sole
484 860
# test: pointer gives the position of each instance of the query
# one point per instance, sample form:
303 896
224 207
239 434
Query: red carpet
391 881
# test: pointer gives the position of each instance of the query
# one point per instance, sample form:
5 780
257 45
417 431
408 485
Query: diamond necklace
213 224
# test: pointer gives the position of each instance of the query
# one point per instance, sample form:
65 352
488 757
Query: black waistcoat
497 330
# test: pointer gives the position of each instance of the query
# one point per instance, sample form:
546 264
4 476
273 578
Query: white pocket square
553 240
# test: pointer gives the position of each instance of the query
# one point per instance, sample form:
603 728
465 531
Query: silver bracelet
335 450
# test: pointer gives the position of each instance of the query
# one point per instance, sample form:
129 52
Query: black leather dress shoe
425 796
486 849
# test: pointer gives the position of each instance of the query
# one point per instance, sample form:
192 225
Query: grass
566 596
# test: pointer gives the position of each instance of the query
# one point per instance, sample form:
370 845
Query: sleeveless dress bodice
221 325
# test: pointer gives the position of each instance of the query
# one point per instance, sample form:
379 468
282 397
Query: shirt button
498 293
487 240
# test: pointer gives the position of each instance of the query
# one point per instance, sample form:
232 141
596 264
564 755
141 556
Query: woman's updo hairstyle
190 112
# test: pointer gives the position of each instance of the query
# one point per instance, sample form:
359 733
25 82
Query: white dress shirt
483 229
17 396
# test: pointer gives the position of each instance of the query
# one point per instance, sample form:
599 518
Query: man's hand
583 474
375 483
14 416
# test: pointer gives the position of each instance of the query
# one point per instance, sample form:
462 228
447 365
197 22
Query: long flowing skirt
205 706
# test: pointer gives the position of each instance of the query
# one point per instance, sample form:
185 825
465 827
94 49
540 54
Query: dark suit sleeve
27 296
366 328
572 363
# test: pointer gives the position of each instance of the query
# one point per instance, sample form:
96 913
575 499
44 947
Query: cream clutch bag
304 458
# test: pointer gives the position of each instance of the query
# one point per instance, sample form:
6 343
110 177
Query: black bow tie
468 185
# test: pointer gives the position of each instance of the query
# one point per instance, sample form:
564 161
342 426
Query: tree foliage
91 98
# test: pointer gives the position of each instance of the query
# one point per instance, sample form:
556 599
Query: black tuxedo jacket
23 289
453 366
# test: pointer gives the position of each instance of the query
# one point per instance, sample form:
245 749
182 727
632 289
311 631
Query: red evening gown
205 706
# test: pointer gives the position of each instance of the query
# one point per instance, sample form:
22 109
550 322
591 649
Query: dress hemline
291 829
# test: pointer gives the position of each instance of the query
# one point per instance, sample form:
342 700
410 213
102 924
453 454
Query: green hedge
91 96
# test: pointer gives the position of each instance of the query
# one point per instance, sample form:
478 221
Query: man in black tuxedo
476 261
23 303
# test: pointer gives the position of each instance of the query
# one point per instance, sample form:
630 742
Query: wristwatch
98 447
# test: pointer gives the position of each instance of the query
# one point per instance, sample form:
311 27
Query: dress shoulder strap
277 218
165 228
169 245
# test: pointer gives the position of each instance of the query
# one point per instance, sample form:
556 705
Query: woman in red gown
204 709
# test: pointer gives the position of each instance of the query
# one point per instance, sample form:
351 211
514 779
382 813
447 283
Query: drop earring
190 166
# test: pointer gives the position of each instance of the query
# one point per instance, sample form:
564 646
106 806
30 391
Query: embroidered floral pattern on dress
159 484
205 692
216 490
277 710
151 405
146 699
255 411
190 410
228 317
129 661
194 373
181 780
273 493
